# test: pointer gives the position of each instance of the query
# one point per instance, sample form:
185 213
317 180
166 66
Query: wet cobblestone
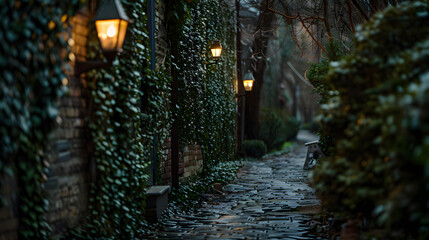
261 204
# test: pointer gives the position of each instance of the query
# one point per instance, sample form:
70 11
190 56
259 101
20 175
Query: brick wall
71 168
190 158
69 172
190 162
68 177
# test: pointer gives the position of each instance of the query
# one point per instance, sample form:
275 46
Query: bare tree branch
298 16
359 7
352 26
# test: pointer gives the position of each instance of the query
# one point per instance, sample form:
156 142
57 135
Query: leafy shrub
311 126
286 147
378 117
254 148
316 74
188 195
277 127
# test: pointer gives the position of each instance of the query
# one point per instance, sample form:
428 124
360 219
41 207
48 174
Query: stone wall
69 173
67 185
71 167
190 157
190 162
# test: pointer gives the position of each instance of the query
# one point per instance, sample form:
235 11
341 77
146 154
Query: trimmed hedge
277 127
254 148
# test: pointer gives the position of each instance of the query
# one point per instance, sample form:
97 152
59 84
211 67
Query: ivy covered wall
33 51
125 107
132 103
129 105
206 94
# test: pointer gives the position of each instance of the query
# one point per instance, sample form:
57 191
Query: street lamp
111 23
248 82
216 49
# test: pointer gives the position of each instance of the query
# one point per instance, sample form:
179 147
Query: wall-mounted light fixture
248 81
111 23
216 50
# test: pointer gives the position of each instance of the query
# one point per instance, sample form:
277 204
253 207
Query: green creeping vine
122 133
317 76
206 97
30 84
190 194
123 123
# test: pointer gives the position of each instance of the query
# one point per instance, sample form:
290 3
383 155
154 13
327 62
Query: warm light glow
216 49
248 84
65 81
72 57
216 52
70 42
111 33
102 35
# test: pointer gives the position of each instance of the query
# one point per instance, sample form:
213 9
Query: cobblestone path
261 204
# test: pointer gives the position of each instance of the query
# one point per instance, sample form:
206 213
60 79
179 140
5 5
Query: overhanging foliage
379 168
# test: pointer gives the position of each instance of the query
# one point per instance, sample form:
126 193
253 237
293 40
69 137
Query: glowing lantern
111 23
248 82
216 49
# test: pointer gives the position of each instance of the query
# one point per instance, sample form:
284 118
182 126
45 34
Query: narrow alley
262 203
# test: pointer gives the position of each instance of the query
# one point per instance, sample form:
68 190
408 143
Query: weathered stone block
61 145
63 156
51 183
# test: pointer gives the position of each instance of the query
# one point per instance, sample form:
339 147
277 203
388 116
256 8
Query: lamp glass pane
248 84
107 31
216 52
122 31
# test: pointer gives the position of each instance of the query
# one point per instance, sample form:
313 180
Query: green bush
317 74
311 126
378 116
277 127
188 196
254 148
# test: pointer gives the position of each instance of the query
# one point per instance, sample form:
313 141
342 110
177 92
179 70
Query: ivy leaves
30 85
377 116
206 92
130 106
